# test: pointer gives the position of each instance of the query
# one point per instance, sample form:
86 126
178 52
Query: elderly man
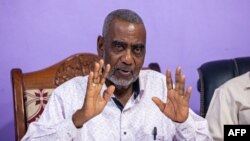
119 101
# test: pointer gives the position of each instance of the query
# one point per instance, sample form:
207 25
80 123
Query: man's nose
127 57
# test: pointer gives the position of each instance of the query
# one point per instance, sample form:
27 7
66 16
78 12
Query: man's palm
177 104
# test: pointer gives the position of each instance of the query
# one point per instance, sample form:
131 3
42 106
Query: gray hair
122 14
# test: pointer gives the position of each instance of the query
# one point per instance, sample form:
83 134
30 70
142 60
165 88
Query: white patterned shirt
135 122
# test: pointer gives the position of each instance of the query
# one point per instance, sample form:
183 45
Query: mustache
122 67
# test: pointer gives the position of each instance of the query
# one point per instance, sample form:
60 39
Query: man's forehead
123 30
120 25
131 27
119 22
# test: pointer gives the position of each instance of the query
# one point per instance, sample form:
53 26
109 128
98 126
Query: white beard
121 83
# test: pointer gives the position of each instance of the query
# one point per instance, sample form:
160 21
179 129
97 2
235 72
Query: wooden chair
31 90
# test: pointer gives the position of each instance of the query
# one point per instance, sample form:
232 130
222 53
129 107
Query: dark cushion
214 73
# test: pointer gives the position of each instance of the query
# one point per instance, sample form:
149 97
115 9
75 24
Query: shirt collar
136 88
136 92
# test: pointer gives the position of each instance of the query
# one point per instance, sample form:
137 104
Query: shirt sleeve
195 128
53 123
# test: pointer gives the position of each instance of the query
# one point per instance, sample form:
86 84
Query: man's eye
118 46
138 50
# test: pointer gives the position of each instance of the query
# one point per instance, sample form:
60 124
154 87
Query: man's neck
122 94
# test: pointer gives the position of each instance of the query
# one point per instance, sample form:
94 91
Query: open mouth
125 72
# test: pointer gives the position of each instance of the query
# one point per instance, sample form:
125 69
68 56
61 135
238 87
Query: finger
177 77
99 75
108 92
90 79
100 67
96 72
159 103
106 72
90 86
182 85
169 80
188 93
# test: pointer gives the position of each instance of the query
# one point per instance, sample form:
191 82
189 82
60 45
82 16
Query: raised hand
94 102
177 104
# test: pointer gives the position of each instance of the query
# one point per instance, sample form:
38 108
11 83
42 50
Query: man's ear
100 47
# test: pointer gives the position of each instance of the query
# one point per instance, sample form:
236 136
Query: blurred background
37 34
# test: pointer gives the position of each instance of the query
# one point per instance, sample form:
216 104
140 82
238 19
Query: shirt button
124 133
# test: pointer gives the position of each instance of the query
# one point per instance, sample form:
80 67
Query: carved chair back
32 90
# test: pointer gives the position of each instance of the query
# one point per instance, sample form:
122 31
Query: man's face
124 48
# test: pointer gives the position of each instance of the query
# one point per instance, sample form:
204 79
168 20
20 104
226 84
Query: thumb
159 103
108 92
